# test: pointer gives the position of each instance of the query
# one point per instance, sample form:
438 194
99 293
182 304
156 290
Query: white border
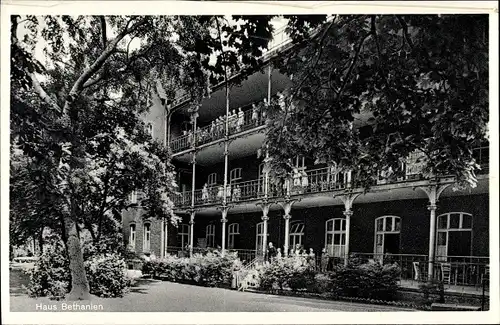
248 7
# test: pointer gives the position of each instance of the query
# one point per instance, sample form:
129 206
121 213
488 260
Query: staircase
248 276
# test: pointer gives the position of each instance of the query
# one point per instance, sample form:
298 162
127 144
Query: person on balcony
228 192
204 193
236 193
241 120
296 179
325 257
233 120
255 114
305 179
220 193
212 130
278 253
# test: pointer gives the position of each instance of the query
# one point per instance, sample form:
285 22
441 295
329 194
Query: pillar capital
191 222
287 217
223 220
348 213
264 218
432 207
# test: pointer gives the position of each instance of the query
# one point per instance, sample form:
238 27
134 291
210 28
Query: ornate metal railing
238 122
308 181
452 270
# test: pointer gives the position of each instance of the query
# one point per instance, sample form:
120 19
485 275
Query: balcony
238 123
307 182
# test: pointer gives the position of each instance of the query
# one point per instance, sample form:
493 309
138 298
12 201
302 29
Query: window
296 233
131 240
183 235
335 237
149 129
212 179
259 237
133 197
387 236
235 174
300 162
233 232
454 235
210 235
147 237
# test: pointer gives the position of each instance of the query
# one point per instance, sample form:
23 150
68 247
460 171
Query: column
191 232
348 200
433 192
224 210
287 207
265 205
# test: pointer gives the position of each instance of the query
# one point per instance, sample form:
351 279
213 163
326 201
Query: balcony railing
452 270
238 122
306 181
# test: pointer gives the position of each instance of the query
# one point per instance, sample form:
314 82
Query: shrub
51 277
210 270
293 273
106 275
322 283
369 280
432 292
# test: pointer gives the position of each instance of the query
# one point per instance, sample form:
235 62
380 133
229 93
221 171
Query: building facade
228 201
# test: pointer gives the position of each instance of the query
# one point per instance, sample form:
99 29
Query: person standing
271 252
325 257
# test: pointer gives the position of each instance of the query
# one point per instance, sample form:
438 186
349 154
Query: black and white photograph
236 162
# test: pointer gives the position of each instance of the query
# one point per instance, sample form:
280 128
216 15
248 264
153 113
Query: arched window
212 179
454 235
232 235
132 236
235 175
210 235
335 237
296 233
387 231
183 235
147 237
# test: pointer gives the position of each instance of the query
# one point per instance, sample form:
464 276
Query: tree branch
99 62
41 92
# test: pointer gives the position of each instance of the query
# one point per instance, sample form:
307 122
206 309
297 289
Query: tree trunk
79 284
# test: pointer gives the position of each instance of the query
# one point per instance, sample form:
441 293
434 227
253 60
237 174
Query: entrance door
387 236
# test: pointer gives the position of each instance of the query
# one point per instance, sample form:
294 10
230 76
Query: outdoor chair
446 273
485 277
417 272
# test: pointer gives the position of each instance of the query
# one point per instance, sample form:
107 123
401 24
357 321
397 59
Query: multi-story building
227 200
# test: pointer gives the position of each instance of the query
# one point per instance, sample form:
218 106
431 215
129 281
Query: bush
51 277
293 273
432 292
211 270
106 275
369 280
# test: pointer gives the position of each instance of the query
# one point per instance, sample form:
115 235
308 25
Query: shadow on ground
18 282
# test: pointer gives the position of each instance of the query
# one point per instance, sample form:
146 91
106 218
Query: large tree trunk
79 283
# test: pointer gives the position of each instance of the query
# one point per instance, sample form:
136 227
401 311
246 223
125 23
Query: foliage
284 273
51 277
369 280
212 269
107 277
369 90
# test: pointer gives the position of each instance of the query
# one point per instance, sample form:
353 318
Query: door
459 243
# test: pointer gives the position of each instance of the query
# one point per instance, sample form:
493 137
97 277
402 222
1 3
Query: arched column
348 200
287 207
192 213
265 205
224 209
433 192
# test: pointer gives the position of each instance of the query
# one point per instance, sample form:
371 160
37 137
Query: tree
76 118
422 80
